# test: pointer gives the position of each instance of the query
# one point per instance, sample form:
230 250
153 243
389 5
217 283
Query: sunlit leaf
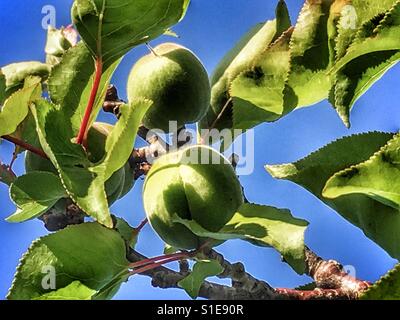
70 84
238 60
84 180
310 55
110 28
258 93
263 226
34 193
16 73
374 50
74 291
89 253
16 107
58 42
378 221
353 15
386 288
201 271
378 177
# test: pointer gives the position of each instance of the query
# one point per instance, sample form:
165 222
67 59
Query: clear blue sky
210 29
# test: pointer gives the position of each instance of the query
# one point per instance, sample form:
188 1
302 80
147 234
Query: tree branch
7 176
316 294
165 278
329 274
25 146
332 282
242 280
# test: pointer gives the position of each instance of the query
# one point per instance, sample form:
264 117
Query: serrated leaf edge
270 168
364 163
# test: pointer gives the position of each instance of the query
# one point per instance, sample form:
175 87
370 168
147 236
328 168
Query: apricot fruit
177 83
196 183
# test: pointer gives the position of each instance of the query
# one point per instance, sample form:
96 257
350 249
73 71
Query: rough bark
332 282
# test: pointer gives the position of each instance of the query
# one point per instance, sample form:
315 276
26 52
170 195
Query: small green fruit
118 184
209 194
177 83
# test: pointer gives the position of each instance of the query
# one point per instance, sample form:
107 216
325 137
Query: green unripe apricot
119 183
209 194
177 83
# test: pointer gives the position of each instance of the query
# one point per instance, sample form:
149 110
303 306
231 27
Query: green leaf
378 221
338 9
357 77
377 178
89 253
111 289
375 36
241 60
283 22
262 226
387 288
201 271
70 84
120 141
128 233
110 28
83 180
258 93
84 186
235 62
171 33
17 72
74 291
35 193
57 44
170 249
26 131
310 55
269 226
6 175
353 16
374 51
16 107
3 88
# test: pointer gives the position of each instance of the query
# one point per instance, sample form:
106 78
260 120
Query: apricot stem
25 146
156 265
92 98
141 225
214 124
151 49
179 255
221 113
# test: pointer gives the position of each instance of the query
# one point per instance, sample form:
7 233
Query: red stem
156 265
141 225
157 259
25 146
93 94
